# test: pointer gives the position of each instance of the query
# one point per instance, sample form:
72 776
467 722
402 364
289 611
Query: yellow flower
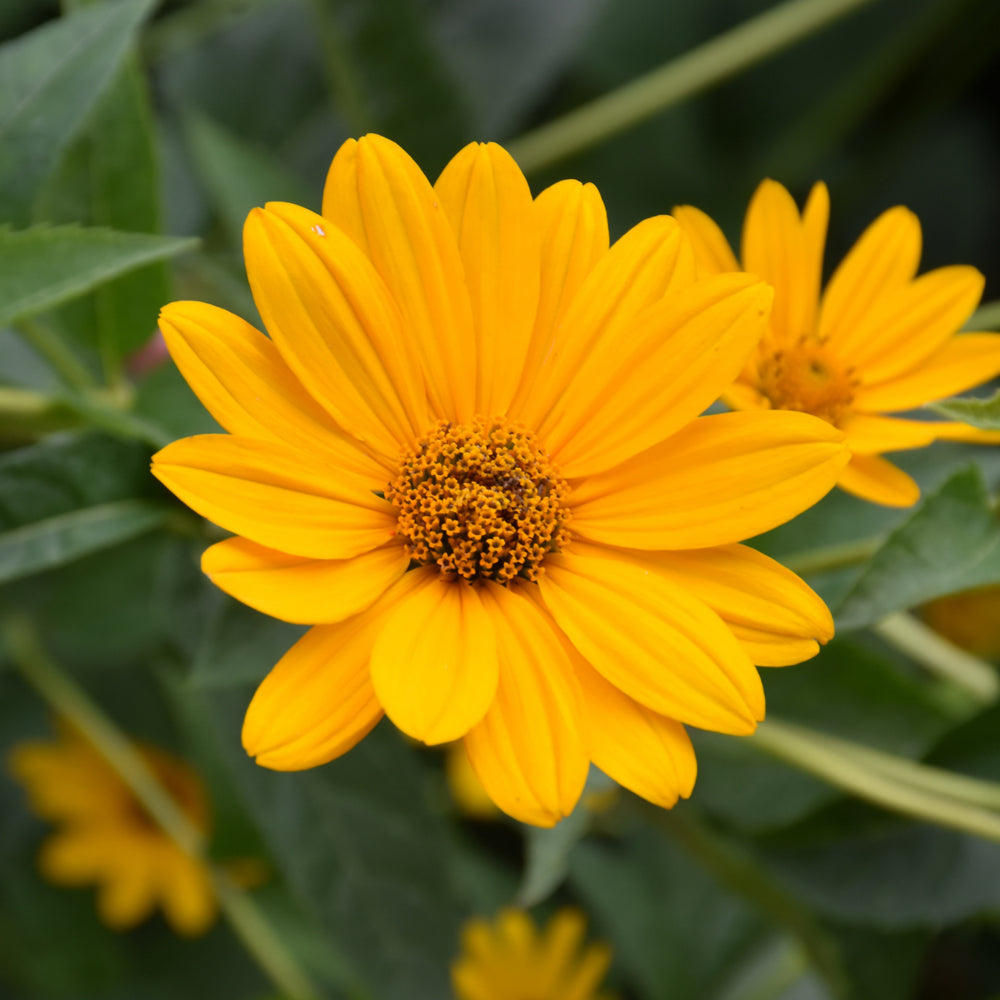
106 837
970 619
511 960
880 340
470 455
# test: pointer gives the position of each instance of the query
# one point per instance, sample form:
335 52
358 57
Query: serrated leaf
950 543
982 413
44 266
50 80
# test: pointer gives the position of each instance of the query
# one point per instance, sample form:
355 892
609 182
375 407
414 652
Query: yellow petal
953 430
965 361
241 377
712 252
529 751
869 435
771 649
647 636
775 248
907 325
815 217
873 478
488 203
298 589
721 479
382 200
573 229
434 665
743 585
187 896
277 497
637 271
646 753
885 257
638 388
318 701
335 324
127 896
79 855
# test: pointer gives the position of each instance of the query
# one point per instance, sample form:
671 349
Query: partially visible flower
880 340
970 620
511 960
471 454
106 838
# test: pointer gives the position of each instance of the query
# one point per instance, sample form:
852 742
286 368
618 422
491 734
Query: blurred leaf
950 543
46 265
547 854
984 413
111 177
50 79
360 843
60 539
238 176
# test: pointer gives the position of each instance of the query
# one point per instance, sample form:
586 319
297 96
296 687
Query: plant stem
72 703
828 558
986 317
60 357
925 793
683 77
942 658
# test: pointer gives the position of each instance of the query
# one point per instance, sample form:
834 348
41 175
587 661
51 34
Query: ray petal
878 480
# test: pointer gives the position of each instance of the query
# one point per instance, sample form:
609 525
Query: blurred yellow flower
970 620
879 340
470 453
106 838
511 960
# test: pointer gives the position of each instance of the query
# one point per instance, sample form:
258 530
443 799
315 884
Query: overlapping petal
721 479
868 434
621 614
877 479
301 590
530 750
381 198
434 664
488 203
773 649
277 497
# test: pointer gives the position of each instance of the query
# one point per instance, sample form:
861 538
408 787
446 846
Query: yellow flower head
970 619
879 340
470 453
106 837
511 960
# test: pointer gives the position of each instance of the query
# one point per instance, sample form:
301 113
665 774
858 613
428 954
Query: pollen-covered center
481 500
804 377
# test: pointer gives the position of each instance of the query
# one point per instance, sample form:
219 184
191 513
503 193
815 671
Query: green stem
986 317
828 558
60 357
938 797
729 863
689 74
942 658
70 702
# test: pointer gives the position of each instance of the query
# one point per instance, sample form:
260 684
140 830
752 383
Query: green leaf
950 543
982 413
68 497
50 79
239 176
44 266
547 854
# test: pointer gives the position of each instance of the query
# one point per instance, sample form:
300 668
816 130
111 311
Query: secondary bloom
511 960
879 340
106 838
970 619
471 455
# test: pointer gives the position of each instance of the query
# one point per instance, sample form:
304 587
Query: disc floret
805 377
481 500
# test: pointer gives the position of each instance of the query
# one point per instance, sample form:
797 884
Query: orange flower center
480 500
804 377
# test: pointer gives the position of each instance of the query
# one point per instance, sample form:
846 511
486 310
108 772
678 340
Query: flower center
804 377
480 500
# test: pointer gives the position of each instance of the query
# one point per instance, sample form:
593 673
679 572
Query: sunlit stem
942 658
986 317
811 562
70 702
894 783
683 77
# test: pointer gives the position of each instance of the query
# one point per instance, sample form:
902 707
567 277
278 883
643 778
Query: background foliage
127 129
